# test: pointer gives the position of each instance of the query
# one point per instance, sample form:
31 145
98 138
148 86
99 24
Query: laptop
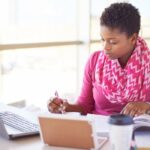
69 131
17 123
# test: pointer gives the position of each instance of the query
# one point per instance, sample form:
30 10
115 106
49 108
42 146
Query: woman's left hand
136 108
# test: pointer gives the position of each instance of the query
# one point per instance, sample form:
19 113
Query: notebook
69 131
17 123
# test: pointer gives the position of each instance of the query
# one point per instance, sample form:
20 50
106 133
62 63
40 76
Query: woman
117 79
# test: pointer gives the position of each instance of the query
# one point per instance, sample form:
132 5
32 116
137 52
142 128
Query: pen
133 146
133 143
61 106
52 99
56 94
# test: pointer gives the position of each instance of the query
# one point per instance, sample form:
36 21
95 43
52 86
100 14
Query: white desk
32 143
35 143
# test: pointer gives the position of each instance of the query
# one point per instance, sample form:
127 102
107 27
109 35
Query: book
142 122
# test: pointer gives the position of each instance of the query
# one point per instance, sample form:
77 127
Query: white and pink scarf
129 84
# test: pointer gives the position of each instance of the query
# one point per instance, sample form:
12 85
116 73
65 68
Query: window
96 10
36 55
145 18
37 21
35 74
44 46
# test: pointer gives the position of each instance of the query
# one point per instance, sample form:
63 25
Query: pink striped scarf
129 84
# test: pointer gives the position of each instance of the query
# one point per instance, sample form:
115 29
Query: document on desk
101 124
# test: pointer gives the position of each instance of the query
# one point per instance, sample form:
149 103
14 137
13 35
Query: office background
44 45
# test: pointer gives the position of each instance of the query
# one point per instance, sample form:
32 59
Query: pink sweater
91 96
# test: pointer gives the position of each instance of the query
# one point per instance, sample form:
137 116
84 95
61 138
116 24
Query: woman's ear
134 38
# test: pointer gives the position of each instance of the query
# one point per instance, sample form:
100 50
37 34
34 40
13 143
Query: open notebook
16 123
142 123
70 131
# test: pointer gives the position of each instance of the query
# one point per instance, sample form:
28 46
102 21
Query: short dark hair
122 16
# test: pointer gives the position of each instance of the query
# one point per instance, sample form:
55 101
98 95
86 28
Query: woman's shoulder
95 53
93 58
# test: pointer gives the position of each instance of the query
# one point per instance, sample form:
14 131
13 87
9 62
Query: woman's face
117 44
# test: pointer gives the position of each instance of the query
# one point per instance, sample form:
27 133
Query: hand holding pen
56 104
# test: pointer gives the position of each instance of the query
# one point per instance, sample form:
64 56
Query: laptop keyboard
18 122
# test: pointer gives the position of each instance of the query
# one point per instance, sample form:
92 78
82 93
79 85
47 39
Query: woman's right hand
57 105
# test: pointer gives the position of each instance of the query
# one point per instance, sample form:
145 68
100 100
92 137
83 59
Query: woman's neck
124 59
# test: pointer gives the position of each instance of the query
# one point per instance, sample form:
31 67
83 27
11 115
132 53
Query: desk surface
31 143
35 143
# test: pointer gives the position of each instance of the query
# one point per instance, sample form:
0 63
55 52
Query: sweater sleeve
85 98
